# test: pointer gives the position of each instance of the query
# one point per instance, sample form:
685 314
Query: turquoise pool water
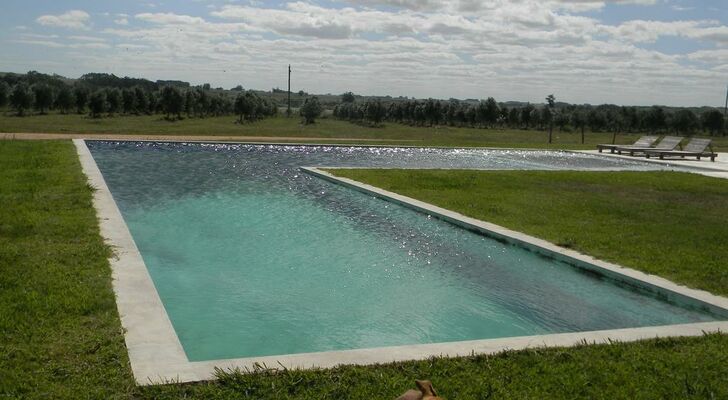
251 257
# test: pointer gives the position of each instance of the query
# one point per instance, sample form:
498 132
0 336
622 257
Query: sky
629 52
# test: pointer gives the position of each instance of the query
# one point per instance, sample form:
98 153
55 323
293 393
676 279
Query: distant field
325 128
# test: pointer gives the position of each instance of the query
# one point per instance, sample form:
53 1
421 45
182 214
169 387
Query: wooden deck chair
667 143
696 147
644 141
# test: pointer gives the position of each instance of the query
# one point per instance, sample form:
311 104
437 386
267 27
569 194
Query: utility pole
725 110
288 112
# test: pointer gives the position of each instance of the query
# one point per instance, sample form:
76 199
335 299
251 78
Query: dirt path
200 138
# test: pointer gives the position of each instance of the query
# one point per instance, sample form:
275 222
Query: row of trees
170 100
489 113
92 81
249 106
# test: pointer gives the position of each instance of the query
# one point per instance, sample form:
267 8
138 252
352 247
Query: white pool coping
156 354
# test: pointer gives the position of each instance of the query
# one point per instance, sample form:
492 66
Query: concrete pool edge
156 355
152 343
675 292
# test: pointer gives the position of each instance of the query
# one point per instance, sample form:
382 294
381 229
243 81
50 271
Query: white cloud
649 31
640 31
86 38
74 19
709 56
121 21
169 18
62 45
131 46
38 36
417 5
717 34
475 6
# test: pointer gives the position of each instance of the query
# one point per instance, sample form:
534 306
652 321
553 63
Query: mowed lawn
325 128
60 336
670 224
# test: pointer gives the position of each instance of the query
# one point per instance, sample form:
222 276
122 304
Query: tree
310 110
491 111
655 119
347 97
43 97
615 121
128 101
503 116
596 119
684 121
514 117
432 111
4 89
113 101
375 111
713 121
141 104
631 118
480 114
551 100
578 120
546 118
190 102
243 106
97 103
21 98
152 103
203 103
526 114
561 119
172 101
81 95
64 100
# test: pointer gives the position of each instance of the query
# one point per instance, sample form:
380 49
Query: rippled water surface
252 257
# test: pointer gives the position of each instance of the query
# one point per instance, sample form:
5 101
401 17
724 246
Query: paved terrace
717 169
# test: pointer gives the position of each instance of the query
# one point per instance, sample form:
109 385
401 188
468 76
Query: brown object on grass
425 392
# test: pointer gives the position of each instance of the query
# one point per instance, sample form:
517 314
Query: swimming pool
251 257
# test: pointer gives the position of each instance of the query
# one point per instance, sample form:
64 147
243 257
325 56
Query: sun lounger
644 141
667 143
695 148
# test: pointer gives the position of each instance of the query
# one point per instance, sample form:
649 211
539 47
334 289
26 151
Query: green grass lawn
326 128
60 335
665 223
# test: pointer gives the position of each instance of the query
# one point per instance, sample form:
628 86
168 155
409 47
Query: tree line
171 101
564 117
100 94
